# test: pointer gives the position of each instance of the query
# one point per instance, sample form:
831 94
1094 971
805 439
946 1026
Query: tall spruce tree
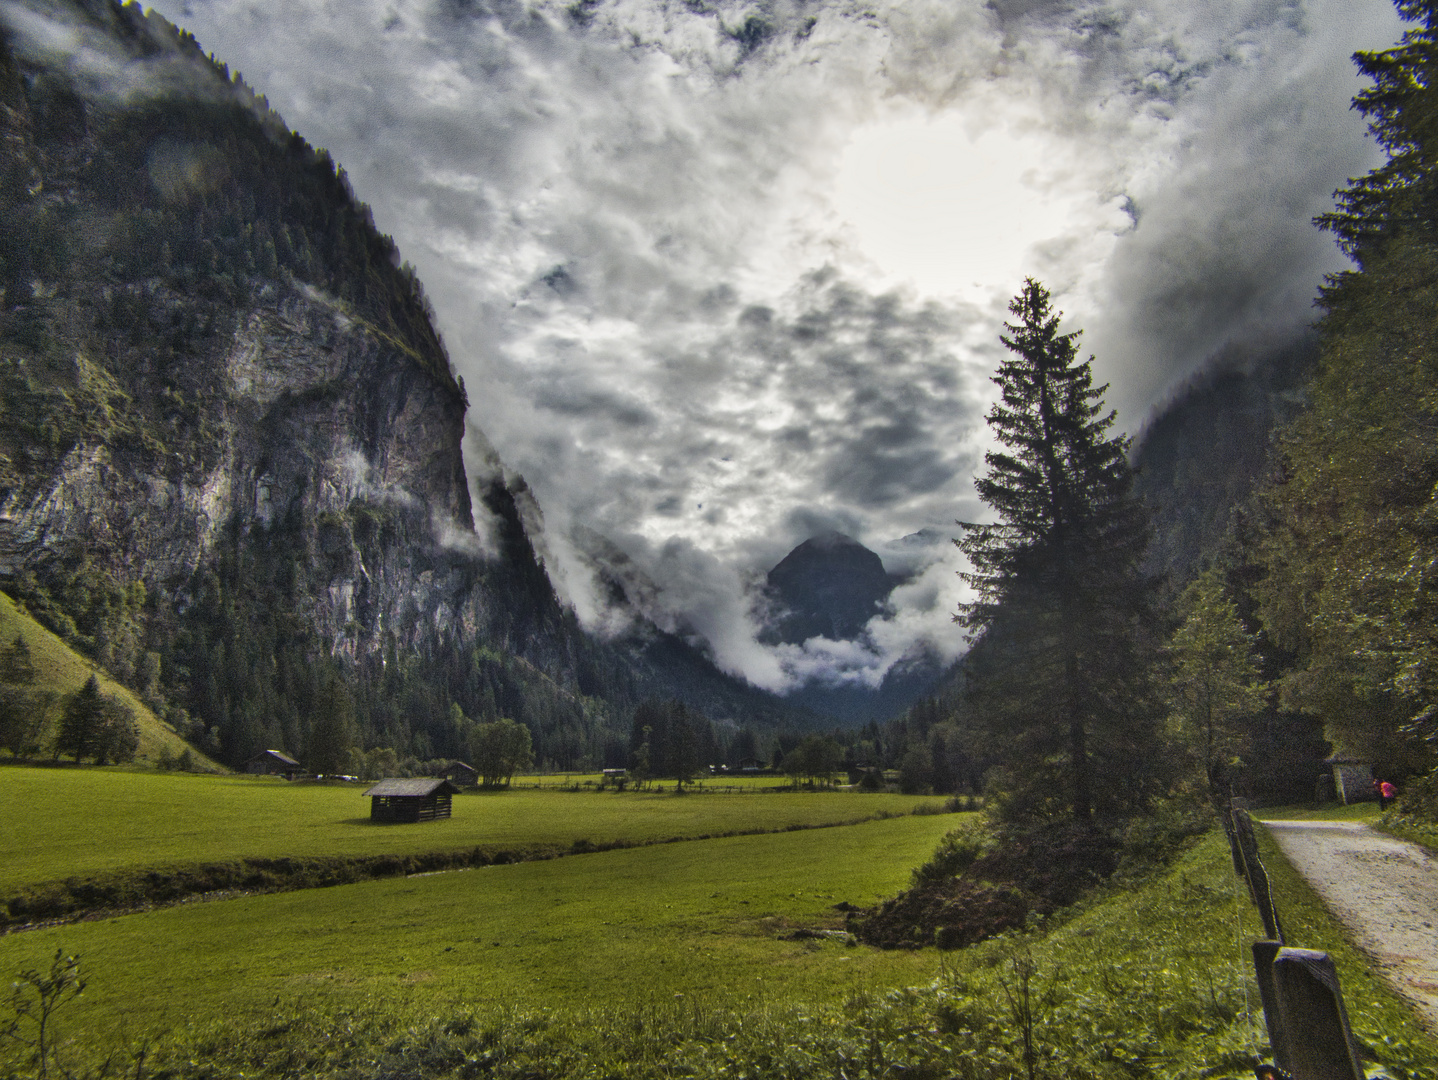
1063 658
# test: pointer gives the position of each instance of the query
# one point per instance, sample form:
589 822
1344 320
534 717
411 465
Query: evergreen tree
1061 617
81 720
22 716
1214 680
332 733
1350 548
16 665
116 735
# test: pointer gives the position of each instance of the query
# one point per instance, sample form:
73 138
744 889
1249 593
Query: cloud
630 216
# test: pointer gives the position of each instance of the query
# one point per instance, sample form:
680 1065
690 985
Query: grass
699 919
737 782
1364 811
668 961
648 963
105 820
59 668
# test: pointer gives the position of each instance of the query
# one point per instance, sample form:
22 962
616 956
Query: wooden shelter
422 799
462 774
1352 779
273 763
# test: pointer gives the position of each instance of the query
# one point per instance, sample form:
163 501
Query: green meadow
701 918
98 820
675 960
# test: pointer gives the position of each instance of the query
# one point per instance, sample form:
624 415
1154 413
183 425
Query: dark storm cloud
624 213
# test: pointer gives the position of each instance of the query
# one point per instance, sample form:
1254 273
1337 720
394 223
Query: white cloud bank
718 273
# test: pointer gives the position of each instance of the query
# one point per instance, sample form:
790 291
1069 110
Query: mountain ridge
233 435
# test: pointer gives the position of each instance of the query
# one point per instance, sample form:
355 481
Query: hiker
1386 791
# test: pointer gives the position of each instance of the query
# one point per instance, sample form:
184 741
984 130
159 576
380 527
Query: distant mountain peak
829 586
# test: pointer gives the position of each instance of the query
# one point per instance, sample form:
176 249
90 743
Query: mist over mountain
831 587
230 459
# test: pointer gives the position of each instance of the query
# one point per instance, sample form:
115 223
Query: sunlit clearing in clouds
954 211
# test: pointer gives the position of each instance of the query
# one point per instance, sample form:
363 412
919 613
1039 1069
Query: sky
721 274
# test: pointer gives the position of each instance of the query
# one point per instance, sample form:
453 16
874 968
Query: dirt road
1384 890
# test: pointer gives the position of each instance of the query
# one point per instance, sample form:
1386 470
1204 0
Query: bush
1419 801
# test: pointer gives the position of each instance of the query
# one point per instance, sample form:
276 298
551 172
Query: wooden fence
1308 1028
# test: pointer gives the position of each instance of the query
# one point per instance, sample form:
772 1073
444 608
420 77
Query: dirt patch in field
1033 871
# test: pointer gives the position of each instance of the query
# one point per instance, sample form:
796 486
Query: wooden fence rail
1303 1009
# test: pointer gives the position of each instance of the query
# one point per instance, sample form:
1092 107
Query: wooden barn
462 774
422 799
273 763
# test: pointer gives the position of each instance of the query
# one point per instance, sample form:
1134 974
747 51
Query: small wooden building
422 799
461 774
1352 779
273 763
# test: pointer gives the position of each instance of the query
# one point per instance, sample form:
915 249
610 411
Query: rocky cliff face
163 408
311 421
230 444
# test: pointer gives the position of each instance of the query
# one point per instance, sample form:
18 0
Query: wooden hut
422 799
462 774
1352 779
273 763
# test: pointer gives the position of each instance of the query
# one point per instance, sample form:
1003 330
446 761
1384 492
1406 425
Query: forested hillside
1350 537
1292 499
230 464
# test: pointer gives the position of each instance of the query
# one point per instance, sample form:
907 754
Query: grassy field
676 959
719 783
98 820
1364 811
698 918
60 668
662 962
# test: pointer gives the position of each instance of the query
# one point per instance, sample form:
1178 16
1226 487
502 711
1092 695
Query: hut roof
416 788
277 755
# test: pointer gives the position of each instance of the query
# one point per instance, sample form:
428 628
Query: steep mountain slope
1203 453
61 671
230 446
829 586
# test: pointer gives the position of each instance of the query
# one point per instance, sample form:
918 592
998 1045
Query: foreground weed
35 997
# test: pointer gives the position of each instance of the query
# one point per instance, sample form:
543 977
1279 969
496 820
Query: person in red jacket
1386 791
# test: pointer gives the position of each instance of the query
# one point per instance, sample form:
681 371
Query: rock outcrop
230 462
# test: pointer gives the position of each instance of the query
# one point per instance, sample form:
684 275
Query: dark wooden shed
422 799
273 763
462 774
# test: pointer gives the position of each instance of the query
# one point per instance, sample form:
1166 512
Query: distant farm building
461 774
424 799
273 763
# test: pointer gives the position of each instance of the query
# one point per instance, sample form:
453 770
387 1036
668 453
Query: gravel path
1384 890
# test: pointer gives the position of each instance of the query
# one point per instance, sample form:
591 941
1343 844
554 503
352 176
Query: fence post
1263 954
1229 832
1312 1019
1256 875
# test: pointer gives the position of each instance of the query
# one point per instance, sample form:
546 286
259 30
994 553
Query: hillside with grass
62 671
